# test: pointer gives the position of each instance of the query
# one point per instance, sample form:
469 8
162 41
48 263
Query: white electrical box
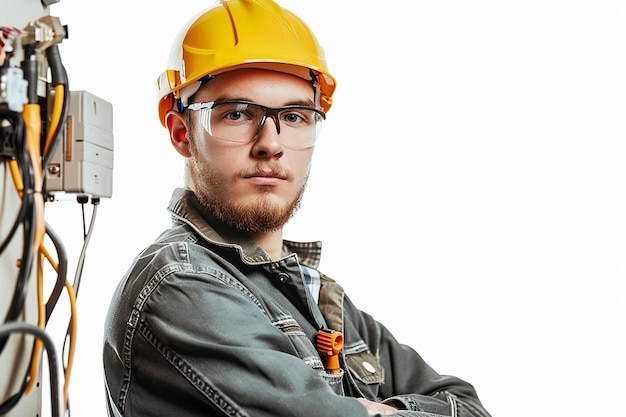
83 162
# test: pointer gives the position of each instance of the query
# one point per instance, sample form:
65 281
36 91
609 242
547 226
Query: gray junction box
83 163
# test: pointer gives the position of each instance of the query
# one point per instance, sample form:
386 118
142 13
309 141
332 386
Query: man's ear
175 123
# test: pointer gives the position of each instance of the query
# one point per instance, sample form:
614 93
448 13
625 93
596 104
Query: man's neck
270 242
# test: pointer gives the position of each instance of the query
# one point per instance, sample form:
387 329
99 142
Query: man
221 316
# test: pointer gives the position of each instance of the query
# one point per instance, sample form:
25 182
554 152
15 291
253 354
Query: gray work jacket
205 323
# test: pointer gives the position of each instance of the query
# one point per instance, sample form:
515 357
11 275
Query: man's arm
410 383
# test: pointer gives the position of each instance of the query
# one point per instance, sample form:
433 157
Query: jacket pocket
363 365
334 381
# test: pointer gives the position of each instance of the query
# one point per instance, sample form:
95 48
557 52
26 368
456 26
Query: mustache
273 169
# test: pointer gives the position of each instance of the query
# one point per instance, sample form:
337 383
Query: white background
467 184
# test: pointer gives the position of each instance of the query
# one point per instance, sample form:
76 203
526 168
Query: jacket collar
185 206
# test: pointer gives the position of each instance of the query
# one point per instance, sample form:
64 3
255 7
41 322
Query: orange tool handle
329 344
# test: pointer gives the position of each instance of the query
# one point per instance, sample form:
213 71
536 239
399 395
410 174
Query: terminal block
83 163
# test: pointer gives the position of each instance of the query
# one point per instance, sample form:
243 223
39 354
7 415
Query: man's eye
292 118
235 115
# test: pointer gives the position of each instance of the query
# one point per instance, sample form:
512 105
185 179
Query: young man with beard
221 316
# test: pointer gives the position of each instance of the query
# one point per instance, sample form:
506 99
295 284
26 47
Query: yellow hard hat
243 34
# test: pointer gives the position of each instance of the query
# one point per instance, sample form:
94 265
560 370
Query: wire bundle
28 145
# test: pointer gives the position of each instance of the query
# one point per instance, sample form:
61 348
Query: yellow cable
72 297
70 356
73 326
32 120
47 255
17 178
41 322
57 108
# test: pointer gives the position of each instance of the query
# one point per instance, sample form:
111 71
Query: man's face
255 186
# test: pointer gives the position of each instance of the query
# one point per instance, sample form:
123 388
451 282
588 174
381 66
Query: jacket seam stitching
133 320
187 371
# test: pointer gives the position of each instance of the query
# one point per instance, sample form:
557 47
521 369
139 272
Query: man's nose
267 142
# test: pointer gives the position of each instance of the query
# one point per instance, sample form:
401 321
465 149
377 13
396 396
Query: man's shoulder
174 246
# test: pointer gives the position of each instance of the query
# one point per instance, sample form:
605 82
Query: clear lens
242 122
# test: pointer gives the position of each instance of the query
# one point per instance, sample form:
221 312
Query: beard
256 216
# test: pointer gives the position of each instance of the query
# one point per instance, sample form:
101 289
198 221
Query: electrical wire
53 361
73 293
27 169
61 271
32 120
22 160
26 217
55 120
23 173
71 336
61 84
43 318
58 120
8 33
31 113
41 322
12 401
33 154
86 238
34 225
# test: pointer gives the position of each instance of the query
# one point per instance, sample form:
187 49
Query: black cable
17 122
82 200
56 397
95 201
61 273
28 221
23 276
18 220
30 67
14 399
7 59
59 77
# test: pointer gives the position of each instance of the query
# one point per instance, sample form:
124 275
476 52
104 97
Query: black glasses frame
267 111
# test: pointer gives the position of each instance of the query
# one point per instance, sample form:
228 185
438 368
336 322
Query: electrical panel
53 142
84 162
